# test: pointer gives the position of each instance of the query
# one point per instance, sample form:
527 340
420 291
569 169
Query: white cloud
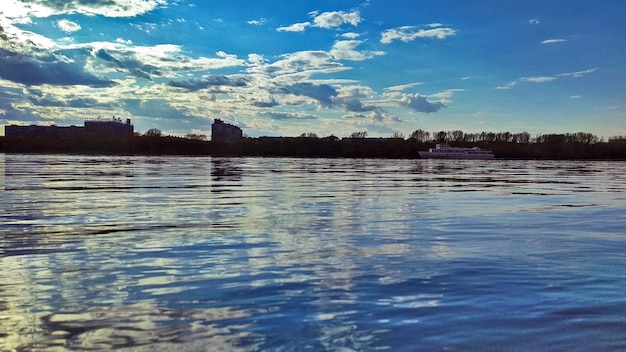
410 33
297 27
578 73
552 41
326 20
336 19
534 21
538 79
509 85
420 103
124 41
108 8
68 26
350 35
544 79
259 22
345 50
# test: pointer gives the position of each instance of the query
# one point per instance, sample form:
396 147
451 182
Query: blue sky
328 67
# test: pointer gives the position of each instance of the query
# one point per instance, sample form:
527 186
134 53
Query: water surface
260 254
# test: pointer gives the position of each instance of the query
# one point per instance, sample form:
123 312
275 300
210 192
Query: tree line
579 145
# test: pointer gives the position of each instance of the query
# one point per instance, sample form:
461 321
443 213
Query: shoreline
304 147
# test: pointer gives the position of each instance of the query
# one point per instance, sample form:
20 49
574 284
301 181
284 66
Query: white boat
444 151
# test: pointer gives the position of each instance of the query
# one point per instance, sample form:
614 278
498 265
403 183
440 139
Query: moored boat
444 151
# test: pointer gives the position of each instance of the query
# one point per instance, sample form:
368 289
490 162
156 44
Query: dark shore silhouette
578 146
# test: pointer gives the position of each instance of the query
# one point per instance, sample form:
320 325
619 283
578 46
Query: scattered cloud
49 69
327 20
296 27
336 18
266 103
345 50
276 115
410 33
538 79
402 87
68 26
534 21
578 73
509 85
420 103
544 79
350 35
194 84
553 41
259 22
322 93
107 8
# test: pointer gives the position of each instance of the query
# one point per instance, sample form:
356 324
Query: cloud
297 27
373 117
150 62
544 79
322 93
68 26
30 70
158 109
402 87
578 73
538 79
410 33
266 104
350 35
259 22
552 41
128 64
344 50
195 84
336 19
327 20
419 103
39 98
107 8
305 63
509 85
275 115
534 21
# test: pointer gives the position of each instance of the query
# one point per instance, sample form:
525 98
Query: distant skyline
328 67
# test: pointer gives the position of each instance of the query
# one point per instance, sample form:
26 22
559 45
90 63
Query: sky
328 67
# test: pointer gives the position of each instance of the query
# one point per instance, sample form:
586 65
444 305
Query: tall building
225 132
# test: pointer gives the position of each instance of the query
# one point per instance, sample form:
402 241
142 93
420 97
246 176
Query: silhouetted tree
420 136
153 132
457 135
361 134
441 136
197 137
397 135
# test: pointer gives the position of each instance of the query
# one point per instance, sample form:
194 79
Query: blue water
260 254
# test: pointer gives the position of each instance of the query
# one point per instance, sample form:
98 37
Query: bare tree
361 134
153 132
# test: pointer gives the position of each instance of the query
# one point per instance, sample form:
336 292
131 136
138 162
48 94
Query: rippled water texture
206 254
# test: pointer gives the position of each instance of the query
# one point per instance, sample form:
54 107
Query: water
258 254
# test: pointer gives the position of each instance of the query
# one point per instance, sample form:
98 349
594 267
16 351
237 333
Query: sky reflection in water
195 254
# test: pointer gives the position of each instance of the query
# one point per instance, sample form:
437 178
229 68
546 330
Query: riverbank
305 147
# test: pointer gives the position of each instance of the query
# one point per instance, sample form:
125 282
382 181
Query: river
146 253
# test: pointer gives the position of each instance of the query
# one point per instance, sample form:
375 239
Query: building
111 128
224 132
